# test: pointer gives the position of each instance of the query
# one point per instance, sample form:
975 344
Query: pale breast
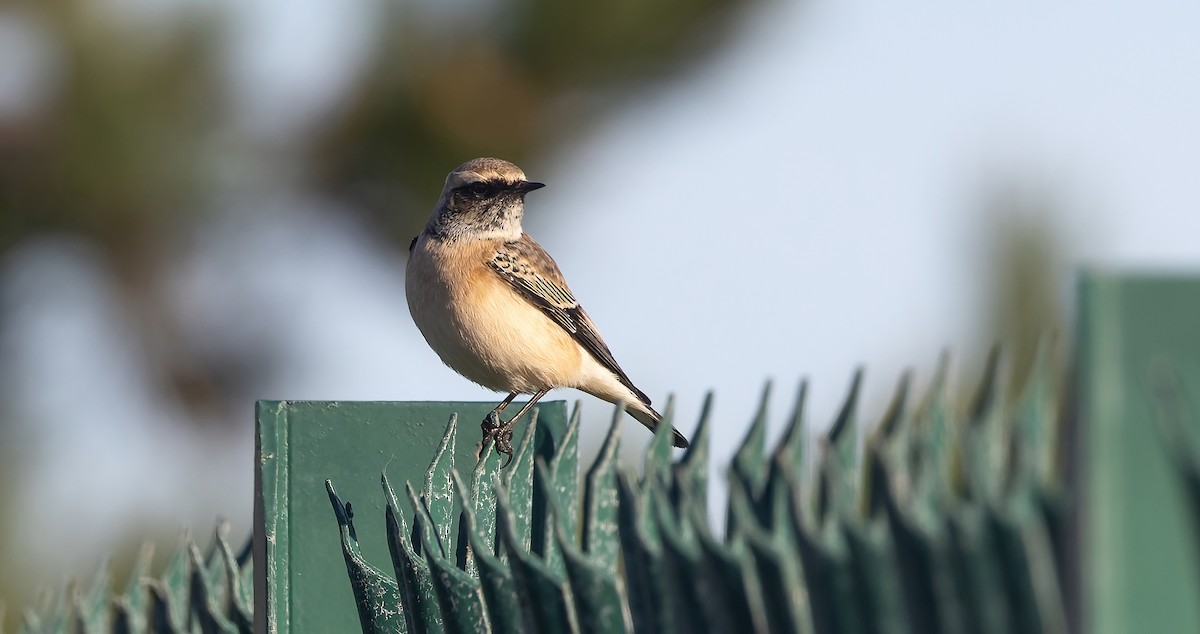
480 326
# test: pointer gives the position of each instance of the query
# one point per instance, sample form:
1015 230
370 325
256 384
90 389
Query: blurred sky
813 199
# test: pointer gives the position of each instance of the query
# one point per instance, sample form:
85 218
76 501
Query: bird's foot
490 424
500 434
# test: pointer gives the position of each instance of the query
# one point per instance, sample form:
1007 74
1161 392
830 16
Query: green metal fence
941 523
1074 506
1034 514
207 591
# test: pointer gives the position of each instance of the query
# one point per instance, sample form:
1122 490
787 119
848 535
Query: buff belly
483 329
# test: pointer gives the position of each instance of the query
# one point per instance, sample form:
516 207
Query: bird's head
483 198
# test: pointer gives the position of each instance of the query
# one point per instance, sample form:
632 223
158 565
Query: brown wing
528 268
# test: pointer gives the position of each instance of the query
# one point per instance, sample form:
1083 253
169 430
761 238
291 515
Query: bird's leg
503 435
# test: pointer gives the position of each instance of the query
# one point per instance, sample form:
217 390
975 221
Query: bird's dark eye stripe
483 188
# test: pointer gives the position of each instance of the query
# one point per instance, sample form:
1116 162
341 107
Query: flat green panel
1139 573
301 585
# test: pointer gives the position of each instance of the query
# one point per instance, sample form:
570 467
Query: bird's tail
650 418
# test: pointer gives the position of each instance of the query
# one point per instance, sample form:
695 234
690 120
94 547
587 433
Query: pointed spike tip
845 416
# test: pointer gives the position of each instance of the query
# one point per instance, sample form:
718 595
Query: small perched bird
494 306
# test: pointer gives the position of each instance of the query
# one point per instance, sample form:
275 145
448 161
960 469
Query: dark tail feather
651 419
680 441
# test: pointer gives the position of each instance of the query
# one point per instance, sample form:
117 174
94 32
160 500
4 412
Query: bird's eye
478 190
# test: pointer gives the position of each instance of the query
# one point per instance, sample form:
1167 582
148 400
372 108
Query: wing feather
531 271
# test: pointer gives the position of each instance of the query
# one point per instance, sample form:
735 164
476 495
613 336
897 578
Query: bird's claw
500 434
503 440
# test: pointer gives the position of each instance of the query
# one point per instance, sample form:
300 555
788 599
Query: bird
494 306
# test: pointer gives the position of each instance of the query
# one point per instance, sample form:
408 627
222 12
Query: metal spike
483 497
600 502
791 446
412 571
657 461
987 392
438 494
518 480
750 461
496 582
544 597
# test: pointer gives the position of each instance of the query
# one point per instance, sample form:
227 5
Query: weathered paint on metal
376 595
302 444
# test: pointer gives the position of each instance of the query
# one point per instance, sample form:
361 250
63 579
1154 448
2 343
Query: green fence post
301 585
1138 572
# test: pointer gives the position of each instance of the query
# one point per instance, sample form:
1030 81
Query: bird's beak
527 186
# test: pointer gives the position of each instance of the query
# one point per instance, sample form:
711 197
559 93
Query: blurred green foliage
113 154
